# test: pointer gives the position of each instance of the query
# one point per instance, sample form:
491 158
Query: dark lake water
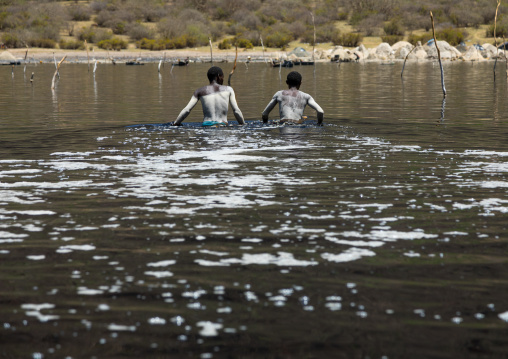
382 234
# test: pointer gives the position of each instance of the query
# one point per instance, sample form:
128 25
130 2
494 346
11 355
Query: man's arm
269 108
185 112
320 114
236 110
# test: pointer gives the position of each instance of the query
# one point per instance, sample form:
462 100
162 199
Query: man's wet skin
215 99
292 103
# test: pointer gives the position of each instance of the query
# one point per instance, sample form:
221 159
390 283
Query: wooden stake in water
495 36
506 58
32 79
234 67
56 67
56 72
26 55
403 66
314 43
211 52
263 46
438 55
87 56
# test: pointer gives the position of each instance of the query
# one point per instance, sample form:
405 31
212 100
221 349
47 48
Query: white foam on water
390 236
485 153
103 307
283 259
117 158
56 185
161 263
43 318
310 230
37 307
29 212
349 255
17 197
372 244
206 263
213 253
209 329
412 254
503 316
252 240
9 235
77 247
194 295
121 328
36 257
493 184
87 291
32 228
455 233
156 321
159 274
75 166
333 306
71 154
18 172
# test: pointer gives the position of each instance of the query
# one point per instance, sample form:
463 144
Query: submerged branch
234 67
56 72
403 66
438 55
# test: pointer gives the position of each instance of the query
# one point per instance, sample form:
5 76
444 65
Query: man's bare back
292 102
215 99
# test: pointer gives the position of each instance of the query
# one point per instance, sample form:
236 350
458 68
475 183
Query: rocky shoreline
382 53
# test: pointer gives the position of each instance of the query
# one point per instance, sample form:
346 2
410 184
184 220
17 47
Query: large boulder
490 51
419 53
473 54
447 51
384 51
402 44
343 55
362 52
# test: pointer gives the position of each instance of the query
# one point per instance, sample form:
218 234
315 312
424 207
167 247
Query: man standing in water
214 99
292 102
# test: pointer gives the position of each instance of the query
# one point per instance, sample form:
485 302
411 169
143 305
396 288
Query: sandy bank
382 53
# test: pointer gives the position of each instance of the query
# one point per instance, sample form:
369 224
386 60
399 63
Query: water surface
380 234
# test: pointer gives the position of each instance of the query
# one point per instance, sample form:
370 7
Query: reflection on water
254 241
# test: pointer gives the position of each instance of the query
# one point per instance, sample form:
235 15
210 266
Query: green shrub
394 27
342 16
112 44
94 35
349 40
278 39
43 43
244 43
392 39
11 40
155 45
451 36
79 12
501 30
324 33
413 39
71 45
225 44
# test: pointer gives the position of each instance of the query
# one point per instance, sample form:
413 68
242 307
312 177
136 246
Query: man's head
215 74
294 79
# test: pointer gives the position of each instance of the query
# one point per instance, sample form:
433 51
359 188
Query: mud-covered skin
292 103
214 99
